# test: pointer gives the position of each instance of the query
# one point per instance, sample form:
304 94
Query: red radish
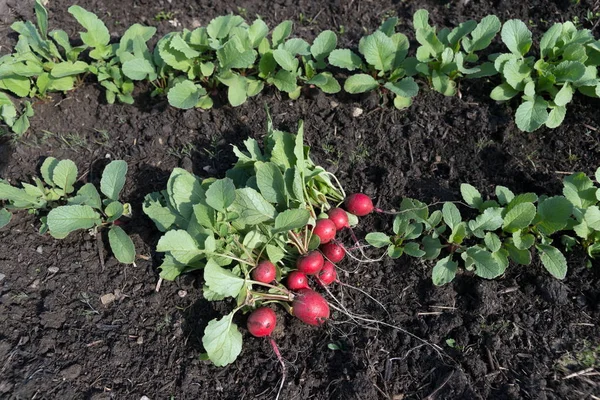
327 275
264 272
339 218
297 280
325 230
310 263
262 322
310 307
359 204
334 252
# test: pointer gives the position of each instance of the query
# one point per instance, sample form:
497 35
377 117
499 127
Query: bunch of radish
317 266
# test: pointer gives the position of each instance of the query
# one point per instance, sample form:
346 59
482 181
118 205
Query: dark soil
517 337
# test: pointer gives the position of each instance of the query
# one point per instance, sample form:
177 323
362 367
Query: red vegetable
264 272
339 218
327 275
310 307
359 204
334 252
325 230
297 280
262 322
310 263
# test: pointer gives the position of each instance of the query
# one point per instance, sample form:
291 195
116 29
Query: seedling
70 210
567 63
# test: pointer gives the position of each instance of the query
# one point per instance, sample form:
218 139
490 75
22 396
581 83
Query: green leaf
163 217
113 179
237 94
553 260
42 18
444 271
516 36
5 217
568 71
185 95
556 117
170 268
492 241
222 281
275 253
519 256
482 35
592 217
550 38
47 170
113 211
286 60
87 194
234 55
257 32
490 220
296 47
379 50
564 95
97 34
532 114
523 241
360 83
378 239
503 92
68 68
412 249
121 245
432 247
471 195
554 213
421 19
459 232
285 81
222 341
221 194
138 69
270 182
252 207
19 197
64 175
443 84
504 194
519 217
220 27
291 219
181 245
579 190
345 58
326 82
66 219
322 47
451 215
281 32
406 87
516 73
486 266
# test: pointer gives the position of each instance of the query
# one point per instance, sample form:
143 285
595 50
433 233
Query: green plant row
65 210
508 228
190 66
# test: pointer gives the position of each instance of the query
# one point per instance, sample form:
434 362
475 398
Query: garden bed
522 335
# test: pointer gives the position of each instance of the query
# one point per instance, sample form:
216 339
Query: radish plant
383 67
68 209
567 63
247 232
443 56
506 229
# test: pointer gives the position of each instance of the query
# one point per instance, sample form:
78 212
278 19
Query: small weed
360 154
341 30
166 322
183 151
74 141
242 12
588 356
164 16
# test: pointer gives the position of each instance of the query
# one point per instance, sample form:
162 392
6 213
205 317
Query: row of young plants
268 231
188 67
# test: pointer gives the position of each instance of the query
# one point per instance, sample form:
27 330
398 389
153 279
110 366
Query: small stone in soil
2 277
107 298
40 249
182 293
357 112
53 270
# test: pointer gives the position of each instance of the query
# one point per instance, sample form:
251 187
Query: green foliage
384 65
442 57
568 62
226 226
506 229
70 210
